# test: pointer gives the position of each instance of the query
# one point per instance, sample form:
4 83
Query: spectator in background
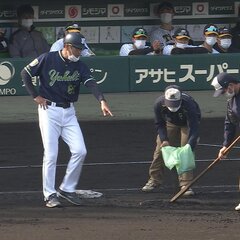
26 41
165 31
138 45
224 42
235 31
3 43
181 38
210 33
58 45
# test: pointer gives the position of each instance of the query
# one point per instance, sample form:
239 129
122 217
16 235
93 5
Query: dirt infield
119 154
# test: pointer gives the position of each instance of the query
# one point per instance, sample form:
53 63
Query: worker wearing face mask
138 45
164 33
26 41
224 42
226 84
177 119
182 46
211 34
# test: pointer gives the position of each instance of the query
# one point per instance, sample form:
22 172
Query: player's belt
63 104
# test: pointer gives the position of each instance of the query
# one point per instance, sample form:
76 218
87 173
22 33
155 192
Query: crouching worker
177 119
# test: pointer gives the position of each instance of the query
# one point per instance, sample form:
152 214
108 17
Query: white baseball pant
55 122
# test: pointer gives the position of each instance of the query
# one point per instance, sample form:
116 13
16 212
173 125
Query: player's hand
41 101
165 143
105 109
221 154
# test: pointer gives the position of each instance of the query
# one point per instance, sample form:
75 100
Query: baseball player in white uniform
182 46
164 33
60 75
138 45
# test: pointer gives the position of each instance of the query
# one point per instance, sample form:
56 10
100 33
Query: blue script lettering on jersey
66 77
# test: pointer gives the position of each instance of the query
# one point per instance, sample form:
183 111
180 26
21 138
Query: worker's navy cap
221 82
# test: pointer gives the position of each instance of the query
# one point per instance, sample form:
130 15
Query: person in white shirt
164 33
181 38
224 42
211 34
59 44
138 45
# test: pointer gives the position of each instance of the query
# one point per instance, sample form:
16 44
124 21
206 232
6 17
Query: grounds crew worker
225 83
60 75
177 118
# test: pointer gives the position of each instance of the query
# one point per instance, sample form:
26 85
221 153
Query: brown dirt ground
119 214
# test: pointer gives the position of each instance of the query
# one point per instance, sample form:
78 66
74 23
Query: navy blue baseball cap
221 82
165 5
210 29
73 28
181 33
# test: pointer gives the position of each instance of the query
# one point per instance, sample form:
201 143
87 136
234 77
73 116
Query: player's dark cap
221 82
25 9
165 6
139 32
181 33
173 96
210 29
224 32
73 28
75 39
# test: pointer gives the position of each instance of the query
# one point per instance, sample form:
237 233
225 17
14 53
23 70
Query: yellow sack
180 157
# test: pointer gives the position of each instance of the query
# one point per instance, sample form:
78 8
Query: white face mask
181 45
73 58
166 17
229 94
172 109
139 44
225 43
27 23
211 40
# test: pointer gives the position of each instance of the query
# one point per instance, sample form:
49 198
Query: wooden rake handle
183 190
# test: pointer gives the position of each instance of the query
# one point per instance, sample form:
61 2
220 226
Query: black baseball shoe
53 201
71 197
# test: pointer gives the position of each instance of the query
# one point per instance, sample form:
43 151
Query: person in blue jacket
177 119
228 85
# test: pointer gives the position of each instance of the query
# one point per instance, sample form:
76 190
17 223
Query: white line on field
215 189
111 163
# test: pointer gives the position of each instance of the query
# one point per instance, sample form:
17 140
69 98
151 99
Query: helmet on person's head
181 33
25 9
139 32
75 39
210 29
73 28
